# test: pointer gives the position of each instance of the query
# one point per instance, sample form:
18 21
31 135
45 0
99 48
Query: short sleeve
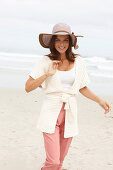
38 70
85 80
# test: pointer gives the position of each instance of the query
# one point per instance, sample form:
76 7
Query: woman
61 75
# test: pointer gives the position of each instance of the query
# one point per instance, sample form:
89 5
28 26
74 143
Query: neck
63 56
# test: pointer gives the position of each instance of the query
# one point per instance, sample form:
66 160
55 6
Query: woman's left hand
105 106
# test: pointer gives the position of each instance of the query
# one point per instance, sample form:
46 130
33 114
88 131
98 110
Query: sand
21 143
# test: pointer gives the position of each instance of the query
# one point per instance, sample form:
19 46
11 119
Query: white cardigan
55 96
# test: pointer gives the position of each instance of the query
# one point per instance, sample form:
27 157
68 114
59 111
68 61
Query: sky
21 21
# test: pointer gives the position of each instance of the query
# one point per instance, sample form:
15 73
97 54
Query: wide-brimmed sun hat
58 29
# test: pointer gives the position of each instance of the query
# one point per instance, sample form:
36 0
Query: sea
15 69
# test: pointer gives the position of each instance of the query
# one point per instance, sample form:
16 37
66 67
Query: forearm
89 94
36 83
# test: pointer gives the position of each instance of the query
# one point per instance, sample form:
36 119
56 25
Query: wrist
47 74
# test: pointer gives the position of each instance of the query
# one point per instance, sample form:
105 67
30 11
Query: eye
56 39
66 40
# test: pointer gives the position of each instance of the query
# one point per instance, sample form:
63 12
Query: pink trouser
56 146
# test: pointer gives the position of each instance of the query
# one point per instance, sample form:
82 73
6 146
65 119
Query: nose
61 43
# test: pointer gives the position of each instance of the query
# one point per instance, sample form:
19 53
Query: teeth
61 48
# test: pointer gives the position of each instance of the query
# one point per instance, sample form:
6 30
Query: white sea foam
96 66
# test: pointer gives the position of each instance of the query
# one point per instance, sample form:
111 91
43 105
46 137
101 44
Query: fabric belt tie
67 100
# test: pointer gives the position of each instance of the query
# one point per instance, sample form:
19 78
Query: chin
61 52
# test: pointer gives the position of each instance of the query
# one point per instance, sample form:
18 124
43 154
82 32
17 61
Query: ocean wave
19 62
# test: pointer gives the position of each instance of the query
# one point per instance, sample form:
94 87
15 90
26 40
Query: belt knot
65 99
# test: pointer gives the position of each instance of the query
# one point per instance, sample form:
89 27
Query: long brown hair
54 55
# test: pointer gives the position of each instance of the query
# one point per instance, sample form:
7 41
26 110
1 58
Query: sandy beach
21 143
24 26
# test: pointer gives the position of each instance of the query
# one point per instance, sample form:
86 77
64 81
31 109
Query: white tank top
67 77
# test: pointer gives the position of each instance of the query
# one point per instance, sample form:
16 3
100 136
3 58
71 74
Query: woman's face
62 43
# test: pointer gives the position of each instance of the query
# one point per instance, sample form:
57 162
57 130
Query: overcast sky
21 21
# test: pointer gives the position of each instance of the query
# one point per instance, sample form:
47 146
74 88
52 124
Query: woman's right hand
53 67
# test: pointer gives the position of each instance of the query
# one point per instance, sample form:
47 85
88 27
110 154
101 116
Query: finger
56 61
55 66
107 105
105 112
110 107
106 108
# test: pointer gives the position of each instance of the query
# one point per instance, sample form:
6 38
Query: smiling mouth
61 48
